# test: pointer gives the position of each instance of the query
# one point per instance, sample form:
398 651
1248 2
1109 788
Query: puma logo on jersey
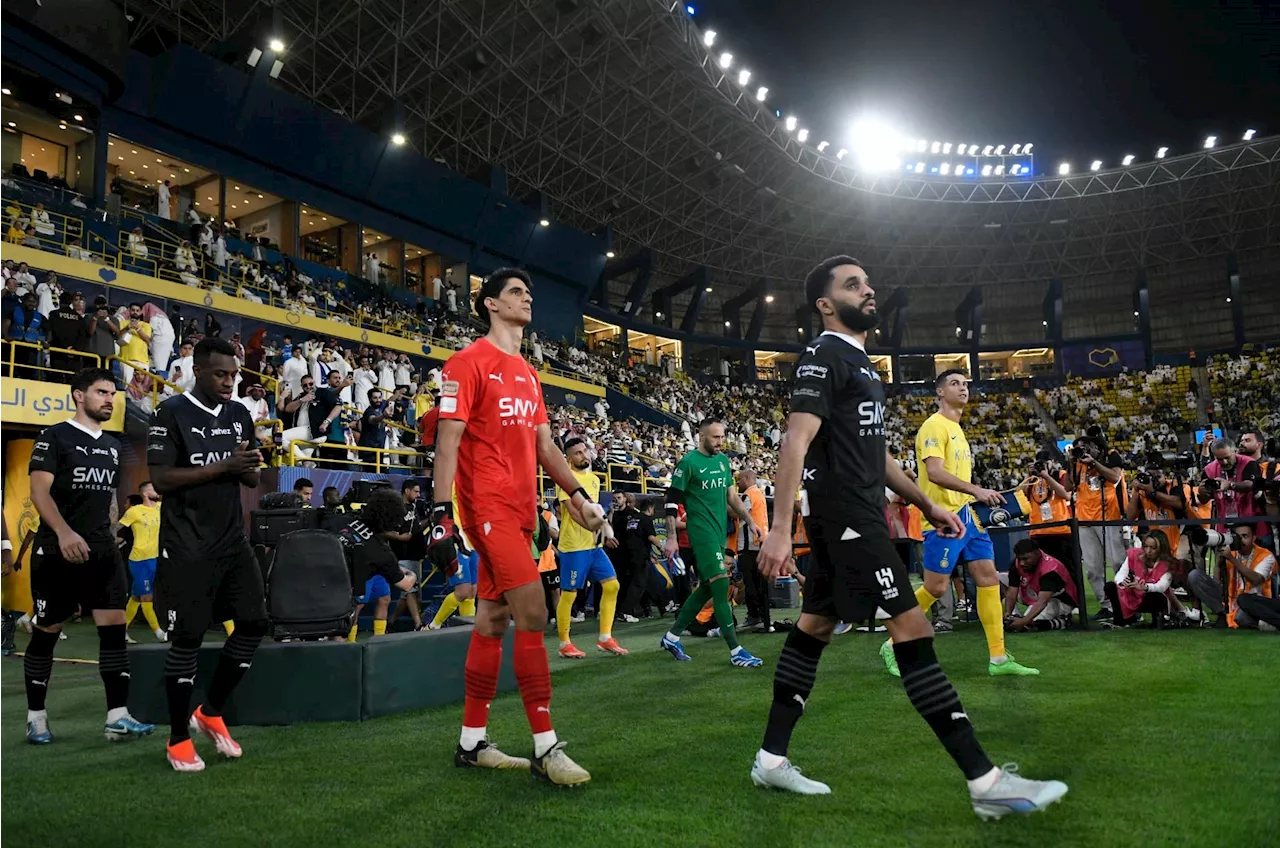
84 450
811 349
199 431
497 377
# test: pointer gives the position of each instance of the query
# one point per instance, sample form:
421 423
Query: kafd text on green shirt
705 482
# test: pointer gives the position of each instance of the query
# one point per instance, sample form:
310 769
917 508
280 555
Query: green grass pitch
1165 738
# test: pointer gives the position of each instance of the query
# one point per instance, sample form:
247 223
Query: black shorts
59 588
848 578
193 590
551 579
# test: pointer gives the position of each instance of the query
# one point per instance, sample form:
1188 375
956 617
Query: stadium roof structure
617 113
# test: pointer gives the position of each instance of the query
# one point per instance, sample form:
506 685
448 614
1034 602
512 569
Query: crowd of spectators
1139 411
1245 390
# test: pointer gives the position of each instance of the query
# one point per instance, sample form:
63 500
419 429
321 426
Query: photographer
1050 499
1143 583
1159 498
1232 480
1266 499
1248 568
1098 484
1044 585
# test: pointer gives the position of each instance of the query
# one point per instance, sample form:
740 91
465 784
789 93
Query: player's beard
855 318
101 414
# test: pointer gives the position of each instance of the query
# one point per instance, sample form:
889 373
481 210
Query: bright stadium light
691 10
946 148
919 167
999 149
609 254
1026 150
790 123
935 147
876 145
544 223
944 168
922 145
768 298
743 76
1096 165
842 153
1248 135
726 59
986 170
276 45
803 135
973 150
1064 169
1127 160
709 38
823 145
1015 170
1013 151
761 93
986 151
397 139
1161 152
1210 142
999 170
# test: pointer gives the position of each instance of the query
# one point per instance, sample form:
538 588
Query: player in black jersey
75 468
201 450
835 449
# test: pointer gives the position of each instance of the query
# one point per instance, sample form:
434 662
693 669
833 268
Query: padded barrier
295 682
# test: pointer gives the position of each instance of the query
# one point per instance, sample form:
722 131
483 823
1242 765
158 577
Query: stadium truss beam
617 114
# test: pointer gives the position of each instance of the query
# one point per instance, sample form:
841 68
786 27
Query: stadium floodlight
999 149
762 92
944 168
276 45
823 145
876 145
935 147
708 289
842 153
743 76
1015 169
609 254
544 223
691 10
999 170
726 323
1064 169
921 145
973 150
726 59
398 139
986 151
1210 142
1096 165
1161 152
919 167
803 135
1127 160
768 298
1013 151
790 123
986 170
1248 135
709 38
1026 149
946 148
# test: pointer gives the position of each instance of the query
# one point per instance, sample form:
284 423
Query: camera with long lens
1206 538
1212 485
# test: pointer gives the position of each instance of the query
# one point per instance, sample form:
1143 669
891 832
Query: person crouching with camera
1143 583
1044 585
1159 498
1248 569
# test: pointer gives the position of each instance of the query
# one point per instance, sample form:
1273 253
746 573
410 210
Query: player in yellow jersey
946 477
582 558
140 525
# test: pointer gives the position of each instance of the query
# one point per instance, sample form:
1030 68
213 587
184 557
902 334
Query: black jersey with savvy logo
85 468
844 468
207 519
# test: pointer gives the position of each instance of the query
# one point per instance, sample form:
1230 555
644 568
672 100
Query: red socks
533 676
480 677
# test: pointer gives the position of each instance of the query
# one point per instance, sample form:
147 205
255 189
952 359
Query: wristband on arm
441 509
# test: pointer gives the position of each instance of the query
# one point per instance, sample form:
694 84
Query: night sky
1082 79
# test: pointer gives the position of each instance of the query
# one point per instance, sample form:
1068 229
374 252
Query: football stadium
588 391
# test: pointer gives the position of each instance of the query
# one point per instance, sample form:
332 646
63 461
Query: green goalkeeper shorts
708 558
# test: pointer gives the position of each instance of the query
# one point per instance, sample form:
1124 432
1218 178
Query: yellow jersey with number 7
941 437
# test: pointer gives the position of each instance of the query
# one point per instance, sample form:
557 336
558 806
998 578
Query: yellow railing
158 383
91 360
65 226
377 464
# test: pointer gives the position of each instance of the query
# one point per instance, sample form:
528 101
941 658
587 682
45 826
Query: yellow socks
925 599
992 617
608 608
379 626
351 637
149 613
130 610
564 614
467 607
447 606
229 626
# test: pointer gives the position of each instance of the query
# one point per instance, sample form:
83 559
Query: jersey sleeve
459 389
250 433
130 517
44 455
1252 473
163 440
682 477
819 376
931 440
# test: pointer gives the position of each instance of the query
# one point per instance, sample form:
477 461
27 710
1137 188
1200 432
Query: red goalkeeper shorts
505 558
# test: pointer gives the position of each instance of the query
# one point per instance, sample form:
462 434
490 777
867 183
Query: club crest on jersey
237 427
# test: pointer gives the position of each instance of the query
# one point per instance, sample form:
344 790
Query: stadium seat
309 587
